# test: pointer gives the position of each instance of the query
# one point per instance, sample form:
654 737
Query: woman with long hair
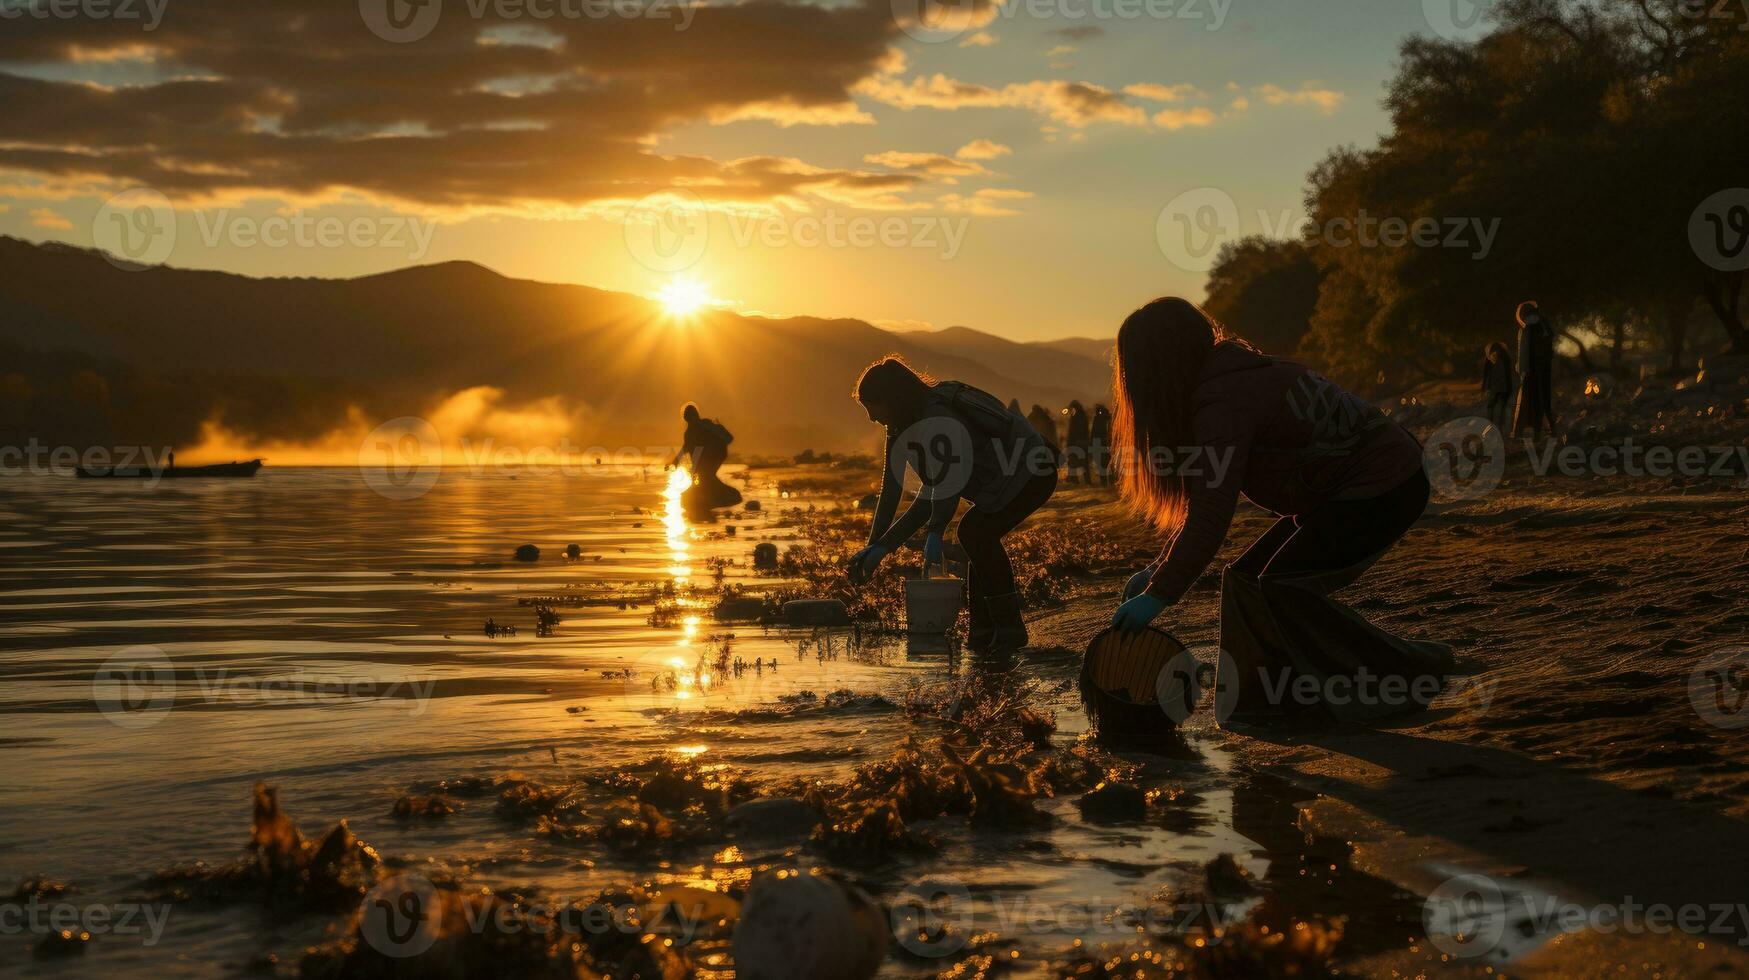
1202 417
963 444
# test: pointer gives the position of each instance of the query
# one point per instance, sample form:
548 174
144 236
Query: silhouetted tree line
1591 130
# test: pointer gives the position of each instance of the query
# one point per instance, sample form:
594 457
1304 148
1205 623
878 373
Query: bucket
932 604
1124 675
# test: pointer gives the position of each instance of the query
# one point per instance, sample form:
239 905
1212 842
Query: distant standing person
1045 425
1536 377
1079 442
706 444
962 444
1497 384
1100 460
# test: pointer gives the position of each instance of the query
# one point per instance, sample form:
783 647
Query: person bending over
962 444
1201 418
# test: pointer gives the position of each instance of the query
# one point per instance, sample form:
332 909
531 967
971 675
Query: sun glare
684 297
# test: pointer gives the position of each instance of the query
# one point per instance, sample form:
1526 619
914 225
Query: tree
1265 290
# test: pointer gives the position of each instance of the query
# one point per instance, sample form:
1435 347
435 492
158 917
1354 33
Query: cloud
1155 92
1176 119
985 203
1073 104
932 163
45 218
303 101
982 149
981 39
1084 32
1324 100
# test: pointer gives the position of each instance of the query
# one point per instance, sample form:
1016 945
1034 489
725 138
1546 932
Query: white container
932 604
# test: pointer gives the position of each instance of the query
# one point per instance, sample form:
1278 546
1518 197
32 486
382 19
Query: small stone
528 552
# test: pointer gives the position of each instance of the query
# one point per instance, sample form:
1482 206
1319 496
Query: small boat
242 469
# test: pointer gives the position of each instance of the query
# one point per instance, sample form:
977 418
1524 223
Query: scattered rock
796 925
869 502
753 505
1226 880
765 555
572 551
739 607
775 818
815 612
528 552
1113 801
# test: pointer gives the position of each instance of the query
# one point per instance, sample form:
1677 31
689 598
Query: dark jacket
1536 365
1497 376
967 445
1287 438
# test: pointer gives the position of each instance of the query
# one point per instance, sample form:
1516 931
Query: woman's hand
1137 613
932 548
864 562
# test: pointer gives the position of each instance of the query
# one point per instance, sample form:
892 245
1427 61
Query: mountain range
97 352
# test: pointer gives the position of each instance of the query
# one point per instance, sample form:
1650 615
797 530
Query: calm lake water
164 647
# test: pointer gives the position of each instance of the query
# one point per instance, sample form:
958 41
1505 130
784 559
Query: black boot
1010 630
980 630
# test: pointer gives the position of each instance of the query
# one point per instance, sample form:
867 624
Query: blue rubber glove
1136 613
864 562
932 548
1138 583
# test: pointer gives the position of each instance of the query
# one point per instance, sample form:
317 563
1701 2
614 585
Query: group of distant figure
1085 446
1531 377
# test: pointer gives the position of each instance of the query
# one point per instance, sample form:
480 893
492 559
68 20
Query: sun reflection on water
674 523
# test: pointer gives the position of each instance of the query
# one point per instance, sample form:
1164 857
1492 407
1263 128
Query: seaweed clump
280 866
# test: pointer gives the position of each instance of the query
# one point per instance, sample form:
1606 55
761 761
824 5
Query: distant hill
1088 347
94 354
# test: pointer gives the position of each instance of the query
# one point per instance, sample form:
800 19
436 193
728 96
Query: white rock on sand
808 927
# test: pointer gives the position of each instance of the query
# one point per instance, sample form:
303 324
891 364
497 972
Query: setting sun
683 297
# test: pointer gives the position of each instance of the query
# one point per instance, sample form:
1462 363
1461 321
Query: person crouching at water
961 443
1202 417
706 444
